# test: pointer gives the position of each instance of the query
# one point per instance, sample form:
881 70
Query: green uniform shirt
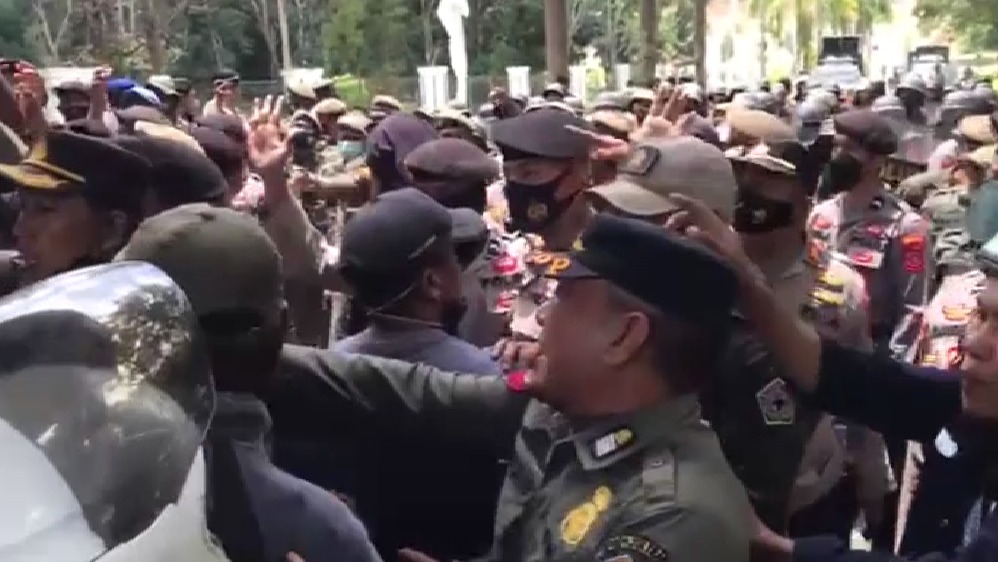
652 485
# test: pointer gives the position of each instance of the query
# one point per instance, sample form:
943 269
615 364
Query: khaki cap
330 106
620 122
784 158
664 166
382 100
167 132
448 114
977 128
301 89
759 125
355 121
982 157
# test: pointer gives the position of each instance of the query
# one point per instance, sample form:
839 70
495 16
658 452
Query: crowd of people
669 324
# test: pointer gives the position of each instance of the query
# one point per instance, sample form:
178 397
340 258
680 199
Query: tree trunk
700 40
649 39
556 38
762 41
154 37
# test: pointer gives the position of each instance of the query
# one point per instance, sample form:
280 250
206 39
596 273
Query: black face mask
843 172
755 214
452 315
533 207
471 197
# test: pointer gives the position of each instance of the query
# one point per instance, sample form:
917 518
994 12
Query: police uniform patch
776 404
631 547
960 313
602 497
914 253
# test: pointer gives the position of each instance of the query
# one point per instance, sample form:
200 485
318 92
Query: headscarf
389 144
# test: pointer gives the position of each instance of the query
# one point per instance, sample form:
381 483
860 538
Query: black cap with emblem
100 171
643 259
544 133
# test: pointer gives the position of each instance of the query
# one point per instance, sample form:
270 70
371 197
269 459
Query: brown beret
869 129
452 158
330 106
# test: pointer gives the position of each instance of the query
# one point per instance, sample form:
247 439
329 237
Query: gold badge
832 280
602 497
577 523
537 212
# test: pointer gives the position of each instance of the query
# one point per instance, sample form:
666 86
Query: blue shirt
431 346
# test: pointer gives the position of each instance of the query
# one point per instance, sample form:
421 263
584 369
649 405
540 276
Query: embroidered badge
602 497
577 522
612 442
959 313
776 404
635 548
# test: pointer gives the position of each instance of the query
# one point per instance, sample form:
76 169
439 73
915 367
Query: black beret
544 133
869 129
225 152
66 162
180 174
676 276
231 125
452 159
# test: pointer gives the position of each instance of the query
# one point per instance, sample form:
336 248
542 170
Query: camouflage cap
221 258
663 166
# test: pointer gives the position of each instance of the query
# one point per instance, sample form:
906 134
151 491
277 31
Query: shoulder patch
631 548
776 404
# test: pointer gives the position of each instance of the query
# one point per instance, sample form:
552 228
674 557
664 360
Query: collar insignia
612 442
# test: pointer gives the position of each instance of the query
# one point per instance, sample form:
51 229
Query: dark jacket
374 414
922 401
259 512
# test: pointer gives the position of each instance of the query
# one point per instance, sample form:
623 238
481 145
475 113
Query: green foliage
14 21
972 21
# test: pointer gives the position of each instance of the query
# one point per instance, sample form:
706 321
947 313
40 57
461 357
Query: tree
971 21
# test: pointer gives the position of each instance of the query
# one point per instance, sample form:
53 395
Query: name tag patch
612 442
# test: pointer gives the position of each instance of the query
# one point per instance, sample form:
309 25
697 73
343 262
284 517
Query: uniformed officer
330 160
546 168
615 462
972 132
639 102
915 189
80 199
877 232
857 385
913 92
452 171
884 239
810 118
946 211
73 99
775 182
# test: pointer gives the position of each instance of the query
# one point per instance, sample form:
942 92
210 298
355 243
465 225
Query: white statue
451 14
